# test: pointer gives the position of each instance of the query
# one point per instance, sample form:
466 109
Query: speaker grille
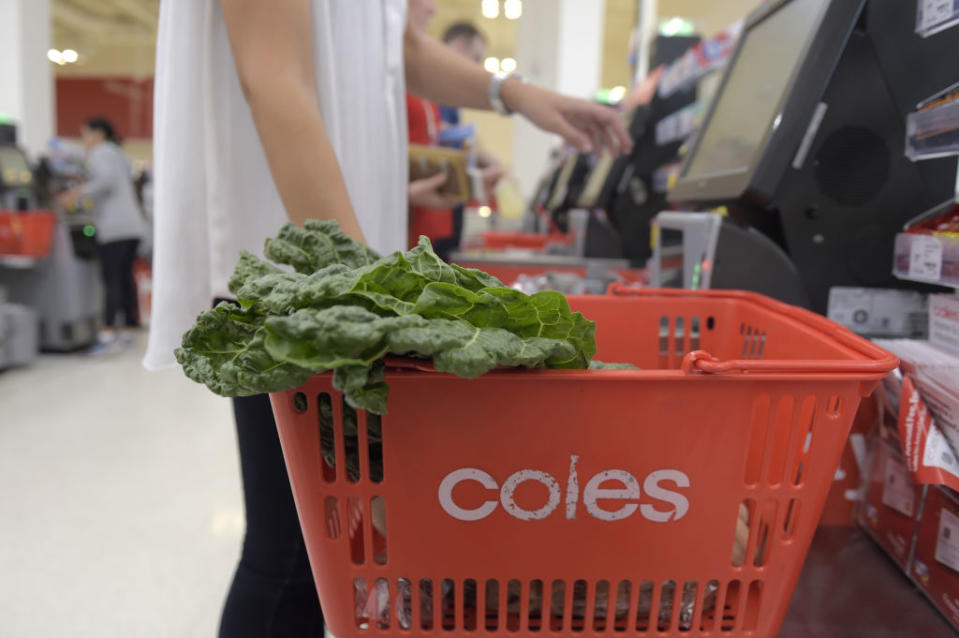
852 165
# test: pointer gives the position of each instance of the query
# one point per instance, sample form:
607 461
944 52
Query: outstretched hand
588 126
425 192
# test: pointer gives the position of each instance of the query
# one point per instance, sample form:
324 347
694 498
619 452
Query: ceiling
111 36
118 37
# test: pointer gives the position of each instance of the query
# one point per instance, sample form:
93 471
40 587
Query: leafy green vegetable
317 244
225 350
600 365
342 309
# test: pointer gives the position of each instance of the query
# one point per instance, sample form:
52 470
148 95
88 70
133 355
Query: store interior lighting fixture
494 65
67 56
512 9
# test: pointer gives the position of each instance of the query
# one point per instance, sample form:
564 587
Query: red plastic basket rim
873 362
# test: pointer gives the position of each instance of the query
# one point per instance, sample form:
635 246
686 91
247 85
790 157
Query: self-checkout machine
803 141
56 283
802 147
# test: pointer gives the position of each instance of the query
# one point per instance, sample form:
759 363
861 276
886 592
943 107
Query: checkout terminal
804 142
60 289
16 178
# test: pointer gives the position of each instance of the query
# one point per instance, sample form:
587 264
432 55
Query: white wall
26 76
558 46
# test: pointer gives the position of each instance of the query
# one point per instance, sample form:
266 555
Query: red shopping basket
675 500
26 234
505 240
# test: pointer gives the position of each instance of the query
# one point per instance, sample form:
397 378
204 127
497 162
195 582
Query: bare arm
435 72
273 49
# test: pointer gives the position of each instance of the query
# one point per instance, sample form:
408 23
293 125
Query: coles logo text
657 497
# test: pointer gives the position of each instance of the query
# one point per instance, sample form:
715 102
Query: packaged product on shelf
933 130
933 380
935 564
944 322
699 60
928 250
891 502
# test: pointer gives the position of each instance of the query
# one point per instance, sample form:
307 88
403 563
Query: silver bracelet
495 84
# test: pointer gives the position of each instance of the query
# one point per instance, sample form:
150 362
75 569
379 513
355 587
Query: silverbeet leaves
344 309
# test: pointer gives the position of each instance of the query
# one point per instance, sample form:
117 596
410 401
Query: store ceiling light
491 64
485 211
676 26
67 56
490 9
513 9
507 65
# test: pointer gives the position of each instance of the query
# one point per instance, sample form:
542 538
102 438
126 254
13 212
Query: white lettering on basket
467 474
509 490
625 489
594 493
572 488
679 502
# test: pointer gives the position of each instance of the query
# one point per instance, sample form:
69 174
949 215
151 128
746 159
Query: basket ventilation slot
752 539
359 440
781 441
677 336
754 341
577 606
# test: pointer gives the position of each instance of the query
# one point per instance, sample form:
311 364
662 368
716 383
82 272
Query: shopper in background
268 112
430 214
120 227
468 41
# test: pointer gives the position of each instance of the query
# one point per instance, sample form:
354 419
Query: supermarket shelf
699 60
933 132
927 259
680 125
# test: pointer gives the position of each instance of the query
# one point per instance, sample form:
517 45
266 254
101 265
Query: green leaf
343 310
470 351
331 338
601 365
225 350
249 268
315 245
544 314
364 388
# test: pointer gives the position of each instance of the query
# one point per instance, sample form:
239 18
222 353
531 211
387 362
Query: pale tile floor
120 501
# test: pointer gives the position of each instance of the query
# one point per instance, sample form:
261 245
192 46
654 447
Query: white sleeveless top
214 195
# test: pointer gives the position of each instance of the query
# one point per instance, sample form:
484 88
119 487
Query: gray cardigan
110 187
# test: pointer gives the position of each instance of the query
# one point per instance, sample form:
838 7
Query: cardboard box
944 322
891 503
935 564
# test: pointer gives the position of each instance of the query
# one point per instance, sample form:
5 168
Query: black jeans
273 595
116 265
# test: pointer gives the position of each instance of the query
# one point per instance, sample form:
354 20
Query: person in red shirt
430 214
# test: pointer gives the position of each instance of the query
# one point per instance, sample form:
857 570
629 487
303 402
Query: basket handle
878 361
